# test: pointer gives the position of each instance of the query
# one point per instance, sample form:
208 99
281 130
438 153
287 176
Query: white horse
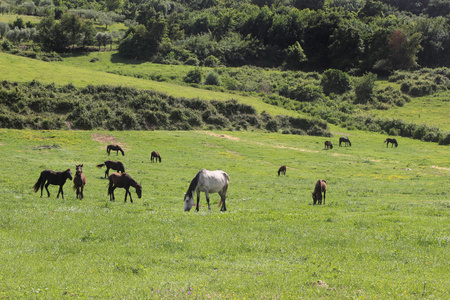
207 182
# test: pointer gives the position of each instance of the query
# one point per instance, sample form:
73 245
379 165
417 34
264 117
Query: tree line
352 35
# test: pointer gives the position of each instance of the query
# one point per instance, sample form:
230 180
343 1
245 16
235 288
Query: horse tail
40 182
100 165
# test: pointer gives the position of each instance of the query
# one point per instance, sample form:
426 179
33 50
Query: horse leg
131 199
223 195
207 200
60 191
46 187
111 194
107 172
198 201
324 193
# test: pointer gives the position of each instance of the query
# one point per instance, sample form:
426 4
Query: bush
212 79
192 61
193 76
211 61
335 81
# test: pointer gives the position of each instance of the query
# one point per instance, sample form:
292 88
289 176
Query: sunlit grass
381 233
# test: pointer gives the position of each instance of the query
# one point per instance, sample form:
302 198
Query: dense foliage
39 106
357 35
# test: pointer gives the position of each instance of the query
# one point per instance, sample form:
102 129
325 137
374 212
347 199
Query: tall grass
381 233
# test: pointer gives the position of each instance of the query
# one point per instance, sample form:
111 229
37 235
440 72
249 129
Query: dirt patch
297 149
105 139
221 135
441 168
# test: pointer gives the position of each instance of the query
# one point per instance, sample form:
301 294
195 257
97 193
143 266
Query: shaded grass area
380 234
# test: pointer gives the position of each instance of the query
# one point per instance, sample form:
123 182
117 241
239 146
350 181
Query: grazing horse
207 182
116 148
392 141
321 186
79 181
110 164
123 180
155 155
328 145
55 178
282 169
344 140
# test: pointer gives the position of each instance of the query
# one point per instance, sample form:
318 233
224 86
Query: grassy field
431 110
61 74
383 232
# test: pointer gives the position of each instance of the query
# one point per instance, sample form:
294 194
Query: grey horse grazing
207 182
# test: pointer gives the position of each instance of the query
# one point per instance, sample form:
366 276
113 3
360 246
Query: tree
294 57
402 49
335 81
71 25
4 28
364 88
346 47
51 35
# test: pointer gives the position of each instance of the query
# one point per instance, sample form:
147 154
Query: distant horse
328 145
282 170
116 148
155 155
79 181
321 186
344 140
392 141
110 164
207 182
55 178
123 180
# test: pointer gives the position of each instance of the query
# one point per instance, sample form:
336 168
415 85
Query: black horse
55 178
155 156
116 148
392 141
344 140
328 145
110 164
282 170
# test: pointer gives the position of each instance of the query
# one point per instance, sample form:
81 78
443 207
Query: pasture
383 232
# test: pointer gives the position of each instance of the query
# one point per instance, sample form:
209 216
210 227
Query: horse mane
194 183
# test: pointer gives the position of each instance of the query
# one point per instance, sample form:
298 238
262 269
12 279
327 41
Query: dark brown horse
392 141
344 140
155 156
328 145
282 170
321 186
110 164
79 181
123 180
55 178
116 148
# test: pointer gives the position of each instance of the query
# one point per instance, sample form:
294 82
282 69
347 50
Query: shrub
211 61
364 88
192 61
193 76
335 81
212 79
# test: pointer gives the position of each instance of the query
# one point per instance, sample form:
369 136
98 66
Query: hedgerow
37 106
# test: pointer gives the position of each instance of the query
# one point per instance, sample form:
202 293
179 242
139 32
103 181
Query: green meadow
383 232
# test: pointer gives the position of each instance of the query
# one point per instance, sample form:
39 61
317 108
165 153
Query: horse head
188 201
139 191
69 173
